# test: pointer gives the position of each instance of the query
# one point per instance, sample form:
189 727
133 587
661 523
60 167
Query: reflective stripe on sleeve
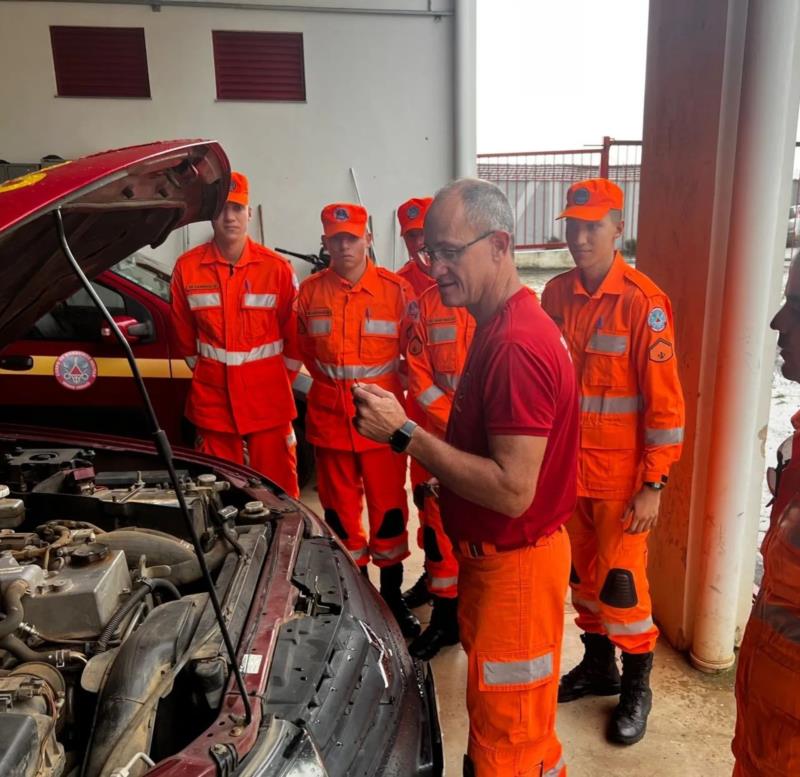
260 300
610 405
636 627
587 604
518 672
292 364
203 300
356 371
447 380
441 334
377 326
319 325
663 436
430 395
608 343
237 358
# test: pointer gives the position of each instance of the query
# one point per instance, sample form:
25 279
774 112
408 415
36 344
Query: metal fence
536 184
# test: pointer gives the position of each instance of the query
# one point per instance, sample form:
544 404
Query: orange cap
591 199
344 217
411 214
240 189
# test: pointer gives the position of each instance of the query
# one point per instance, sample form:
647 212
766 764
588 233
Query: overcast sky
558 75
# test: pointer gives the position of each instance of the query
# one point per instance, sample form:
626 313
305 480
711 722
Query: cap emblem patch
412 212
580 196
341 214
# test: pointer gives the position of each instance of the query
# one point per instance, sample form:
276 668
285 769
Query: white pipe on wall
767 125
465 139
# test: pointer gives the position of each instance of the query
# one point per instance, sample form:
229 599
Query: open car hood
112 204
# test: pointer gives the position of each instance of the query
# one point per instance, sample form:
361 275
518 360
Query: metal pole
465 111
762 172
605 152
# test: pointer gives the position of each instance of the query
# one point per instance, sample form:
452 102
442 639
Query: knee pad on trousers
393 524
333 520
469 767
430 545
619 589
573 576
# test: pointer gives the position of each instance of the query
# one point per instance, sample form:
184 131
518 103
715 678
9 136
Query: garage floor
689 730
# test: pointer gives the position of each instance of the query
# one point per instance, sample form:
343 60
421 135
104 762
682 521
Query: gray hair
485 206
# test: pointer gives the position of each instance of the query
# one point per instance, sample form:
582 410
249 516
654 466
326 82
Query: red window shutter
100 61
259 65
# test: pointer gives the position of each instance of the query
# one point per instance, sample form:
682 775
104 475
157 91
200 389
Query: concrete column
770 96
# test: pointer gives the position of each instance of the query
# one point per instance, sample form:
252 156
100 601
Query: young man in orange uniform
618 325
436 353
507 482
350 321
767 740
232 310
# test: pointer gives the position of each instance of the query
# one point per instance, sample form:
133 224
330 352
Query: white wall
379 99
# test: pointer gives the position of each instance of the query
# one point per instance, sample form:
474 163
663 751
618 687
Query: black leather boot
418 594
441 631
595 675
391 581
629 720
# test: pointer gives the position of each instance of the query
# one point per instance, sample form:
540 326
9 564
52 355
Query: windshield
141 271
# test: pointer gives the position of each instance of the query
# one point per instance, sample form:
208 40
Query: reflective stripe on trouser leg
418 474
341 490
623 593
583 541
225 445
767 738
273 452
384 476
511 619
441 568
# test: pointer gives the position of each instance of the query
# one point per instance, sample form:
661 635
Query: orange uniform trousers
609 576
511 620
273 452
343 479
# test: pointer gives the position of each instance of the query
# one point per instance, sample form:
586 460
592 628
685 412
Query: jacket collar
212 254
370 281
613 283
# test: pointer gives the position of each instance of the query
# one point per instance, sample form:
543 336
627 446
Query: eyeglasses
449 255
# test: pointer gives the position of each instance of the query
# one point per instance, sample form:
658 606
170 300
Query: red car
171 616
101 395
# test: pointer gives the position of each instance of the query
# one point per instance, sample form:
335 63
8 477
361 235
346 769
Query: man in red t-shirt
507 472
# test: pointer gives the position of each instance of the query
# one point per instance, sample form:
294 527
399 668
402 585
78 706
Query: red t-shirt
518 380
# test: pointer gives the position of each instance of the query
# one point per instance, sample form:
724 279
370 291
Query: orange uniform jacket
436 352
237 321
418 280
622 343
349 332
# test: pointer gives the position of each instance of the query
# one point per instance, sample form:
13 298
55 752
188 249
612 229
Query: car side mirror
132 330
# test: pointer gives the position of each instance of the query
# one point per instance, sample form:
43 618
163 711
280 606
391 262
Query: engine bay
110 655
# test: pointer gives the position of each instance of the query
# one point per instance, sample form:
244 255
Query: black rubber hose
145 587
21 651
12 606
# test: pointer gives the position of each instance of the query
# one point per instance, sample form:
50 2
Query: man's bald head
485 207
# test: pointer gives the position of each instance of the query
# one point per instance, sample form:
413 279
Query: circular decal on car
657 320
75 370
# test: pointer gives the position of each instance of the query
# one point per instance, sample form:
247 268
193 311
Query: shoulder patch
657 319
661 351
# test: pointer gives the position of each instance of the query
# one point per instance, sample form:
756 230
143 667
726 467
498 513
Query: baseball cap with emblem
591 199
240 189
344 217
411 214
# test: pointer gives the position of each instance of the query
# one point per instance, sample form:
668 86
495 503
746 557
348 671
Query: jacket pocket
259 316
380 340
606 359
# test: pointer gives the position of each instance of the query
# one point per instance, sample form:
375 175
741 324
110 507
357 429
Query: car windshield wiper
164 448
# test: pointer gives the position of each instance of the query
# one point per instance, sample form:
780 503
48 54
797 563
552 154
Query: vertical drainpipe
465 112
770 97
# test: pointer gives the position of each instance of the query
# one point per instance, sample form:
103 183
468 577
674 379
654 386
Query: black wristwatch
402 437
655 486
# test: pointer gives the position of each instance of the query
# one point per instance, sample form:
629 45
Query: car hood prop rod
164 449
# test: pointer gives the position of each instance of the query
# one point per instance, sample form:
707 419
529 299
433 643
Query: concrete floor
689 730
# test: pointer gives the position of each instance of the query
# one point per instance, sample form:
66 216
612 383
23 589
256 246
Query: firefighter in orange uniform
506 473
350 322
232 309
618 325
767 740
436 352
411 215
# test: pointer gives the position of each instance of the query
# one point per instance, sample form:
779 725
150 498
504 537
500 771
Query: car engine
104 611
